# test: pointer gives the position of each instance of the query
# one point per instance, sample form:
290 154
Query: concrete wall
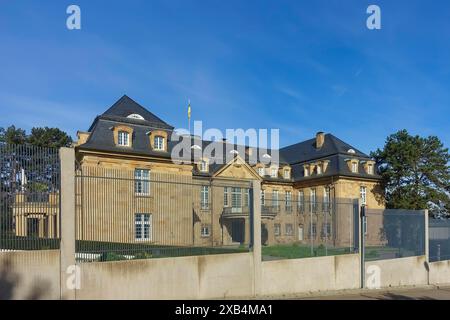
411 271
30 275
284 277
440 272
197 277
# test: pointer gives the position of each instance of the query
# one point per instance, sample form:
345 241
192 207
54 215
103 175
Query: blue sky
300 66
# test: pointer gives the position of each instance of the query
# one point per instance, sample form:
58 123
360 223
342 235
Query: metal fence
124 214
29 198
439 239
296 228
391 233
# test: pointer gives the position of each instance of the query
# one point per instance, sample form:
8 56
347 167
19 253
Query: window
275 202
363 194
203 166
142 182
312 198
313 230
246 197
277 229
326 230
263 198
319 169
123 138
288 201
205 230
274 172
204 197
143 227
158 143
354 167
301 201
370 168
261 171
226 196
287 174
326 199
306 171
236 197
289 229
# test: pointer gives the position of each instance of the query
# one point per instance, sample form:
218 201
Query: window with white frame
354 167
313 199
158 143
263 198
142 182
236 197
204 197
274 172
319 169
326 198
226 196
287 173
203 166
370 168
306 170
301 201
326 229
289 229
205 230
275 199
363 195
288 201
313 230
261 171
123 138
246 197
143 227
277 229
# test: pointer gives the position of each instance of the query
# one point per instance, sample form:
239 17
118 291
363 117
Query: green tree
12 135
49 137
415 171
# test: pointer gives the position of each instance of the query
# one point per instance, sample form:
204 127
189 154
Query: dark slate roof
307 151
101 139
125 106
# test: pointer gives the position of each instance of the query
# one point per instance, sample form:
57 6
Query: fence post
362 260
427 238
257 261
67 211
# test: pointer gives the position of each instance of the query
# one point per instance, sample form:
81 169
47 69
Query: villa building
199 203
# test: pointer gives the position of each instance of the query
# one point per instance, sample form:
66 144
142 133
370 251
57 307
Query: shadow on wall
10 282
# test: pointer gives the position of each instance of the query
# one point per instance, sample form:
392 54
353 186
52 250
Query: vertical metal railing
29 197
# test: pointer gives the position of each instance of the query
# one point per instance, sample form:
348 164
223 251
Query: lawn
296 251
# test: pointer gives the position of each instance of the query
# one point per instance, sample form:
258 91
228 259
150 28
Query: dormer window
370 168
274 172
354 167
159 143
351 151
319 169
287 173
261 171
135 116
203 166
123 139
306 172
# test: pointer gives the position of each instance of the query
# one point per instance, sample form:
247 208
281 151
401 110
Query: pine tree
415 171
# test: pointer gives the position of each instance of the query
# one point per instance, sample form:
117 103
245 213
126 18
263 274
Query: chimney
320 139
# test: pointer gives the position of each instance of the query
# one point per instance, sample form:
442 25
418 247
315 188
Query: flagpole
189 116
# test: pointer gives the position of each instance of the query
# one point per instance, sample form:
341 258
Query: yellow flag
189 110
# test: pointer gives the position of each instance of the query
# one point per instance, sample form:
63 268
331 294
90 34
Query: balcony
236 212
269 211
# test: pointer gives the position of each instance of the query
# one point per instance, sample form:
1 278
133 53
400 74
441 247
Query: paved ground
425 293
